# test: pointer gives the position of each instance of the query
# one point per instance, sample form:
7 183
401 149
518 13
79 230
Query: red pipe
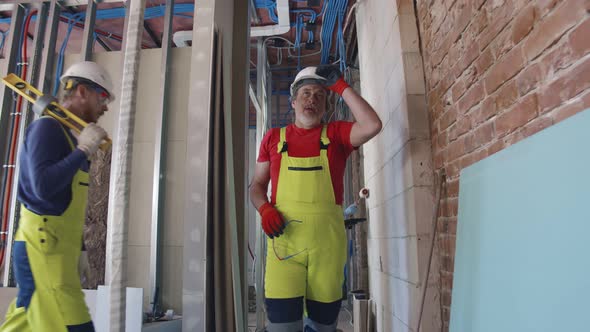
13 147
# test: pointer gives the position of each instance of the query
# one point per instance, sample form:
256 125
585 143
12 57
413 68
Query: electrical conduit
13 148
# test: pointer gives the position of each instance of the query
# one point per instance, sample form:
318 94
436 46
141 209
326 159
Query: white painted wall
397 165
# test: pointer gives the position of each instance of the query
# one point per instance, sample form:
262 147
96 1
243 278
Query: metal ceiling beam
8 5
37 59
159 179
103 44
151 33
46 75
99 40
88 35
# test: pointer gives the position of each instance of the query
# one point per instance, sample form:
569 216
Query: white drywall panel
142 165
397 163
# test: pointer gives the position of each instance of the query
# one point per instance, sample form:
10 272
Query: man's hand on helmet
334 80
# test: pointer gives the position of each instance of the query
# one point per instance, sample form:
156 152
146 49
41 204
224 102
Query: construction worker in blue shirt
53 189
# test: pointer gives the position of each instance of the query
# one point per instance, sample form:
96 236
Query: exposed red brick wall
497 71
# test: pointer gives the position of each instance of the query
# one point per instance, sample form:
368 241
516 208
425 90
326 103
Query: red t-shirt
306 143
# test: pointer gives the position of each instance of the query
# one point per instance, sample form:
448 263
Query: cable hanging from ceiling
271 6
119 12
333 20
114 13
73 19
105 14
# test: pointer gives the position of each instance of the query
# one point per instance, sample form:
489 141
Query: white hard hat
90 71
306 75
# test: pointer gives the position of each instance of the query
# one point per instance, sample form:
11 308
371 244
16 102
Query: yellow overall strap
324 142
282 145
64 130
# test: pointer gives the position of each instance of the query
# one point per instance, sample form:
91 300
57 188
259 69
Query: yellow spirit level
48 105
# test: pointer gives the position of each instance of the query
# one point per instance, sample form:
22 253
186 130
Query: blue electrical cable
185 16
113 13
298 31
327 31
271 6
324 5
119 12
299 24
341 50
273 14
60 60
103 14
4 34
333 13
313 15
343 44
340 42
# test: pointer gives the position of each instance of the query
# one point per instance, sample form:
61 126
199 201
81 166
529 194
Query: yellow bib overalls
307 261
53 245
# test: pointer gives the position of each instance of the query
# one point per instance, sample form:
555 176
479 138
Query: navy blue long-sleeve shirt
48 165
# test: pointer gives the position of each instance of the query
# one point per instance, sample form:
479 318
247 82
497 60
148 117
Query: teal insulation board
523 239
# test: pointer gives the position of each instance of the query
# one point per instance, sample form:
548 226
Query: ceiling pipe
282 27
182 38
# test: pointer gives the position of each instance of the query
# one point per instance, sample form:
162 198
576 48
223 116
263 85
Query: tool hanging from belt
48 105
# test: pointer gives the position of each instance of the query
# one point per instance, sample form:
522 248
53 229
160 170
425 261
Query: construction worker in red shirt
304 223
53 190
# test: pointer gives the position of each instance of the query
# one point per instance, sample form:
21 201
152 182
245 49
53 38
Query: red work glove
272 221
334 80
